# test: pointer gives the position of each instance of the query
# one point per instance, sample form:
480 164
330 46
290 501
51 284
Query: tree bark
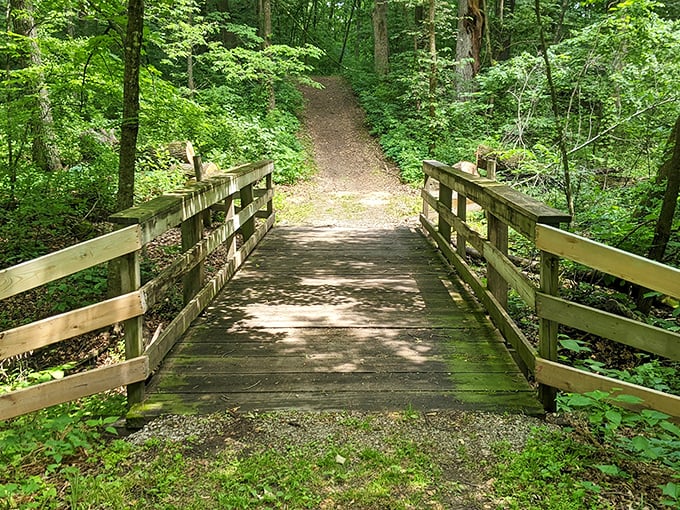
432 38
471 21
45 150
381 49
670 173
130 121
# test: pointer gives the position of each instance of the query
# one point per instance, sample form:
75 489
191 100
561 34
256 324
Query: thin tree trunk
45 150
130 122
432 38
267 42
670 173
559 126
347 28
381 50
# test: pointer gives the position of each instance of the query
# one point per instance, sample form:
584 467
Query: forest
577 100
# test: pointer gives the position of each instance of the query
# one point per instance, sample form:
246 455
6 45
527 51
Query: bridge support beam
547 346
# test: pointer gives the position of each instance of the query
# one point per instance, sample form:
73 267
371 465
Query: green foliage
646 435
547 473
37 446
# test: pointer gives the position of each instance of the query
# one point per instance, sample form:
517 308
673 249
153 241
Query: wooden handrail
538 223
138 226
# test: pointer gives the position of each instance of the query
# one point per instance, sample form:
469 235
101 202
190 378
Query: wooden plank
472 381
620 329
337 363
395 400
73 387
70 324
633 268
158 215
507 327
157 350
36 272
574 380
516 209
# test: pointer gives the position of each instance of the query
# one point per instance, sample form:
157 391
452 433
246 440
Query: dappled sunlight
342 318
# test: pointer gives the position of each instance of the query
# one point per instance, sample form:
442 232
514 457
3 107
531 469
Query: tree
130 122
471 21
381 49
45 150
669 174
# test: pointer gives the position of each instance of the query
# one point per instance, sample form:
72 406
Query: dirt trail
355 184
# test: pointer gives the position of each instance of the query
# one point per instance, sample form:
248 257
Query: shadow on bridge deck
327 318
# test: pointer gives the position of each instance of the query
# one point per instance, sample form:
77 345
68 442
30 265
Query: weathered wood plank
73 387
396 400
620 329
70 324
578 381
302 326
633 268
516 209
36 272
338 381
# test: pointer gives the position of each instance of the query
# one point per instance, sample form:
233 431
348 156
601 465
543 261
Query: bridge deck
327 318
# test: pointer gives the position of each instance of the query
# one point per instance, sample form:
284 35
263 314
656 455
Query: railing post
130 280
446 199
461 212
547 346
229 213
198 172
498 237
192 233
270 185
248 228
429 187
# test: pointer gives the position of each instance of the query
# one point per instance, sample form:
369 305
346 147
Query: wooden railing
539 224
249 185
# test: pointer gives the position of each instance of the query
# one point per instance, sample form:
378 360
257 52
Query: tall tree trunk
505 33
670 173
559 125
381 48
45 151
266 43
432 38
130 122
471 23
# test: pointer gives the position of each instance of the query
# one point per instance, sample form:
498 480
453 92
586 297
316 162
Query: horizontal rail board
158 215
579 381
157 350
59 264
73 387
155 289
70 324
620 329
500 317
516 209
633 268
498 260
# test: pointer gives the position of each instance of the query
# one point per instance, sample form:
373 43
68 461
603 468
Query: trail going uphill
355 184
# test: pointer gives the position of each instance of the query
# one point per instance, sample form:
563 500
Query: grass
67 457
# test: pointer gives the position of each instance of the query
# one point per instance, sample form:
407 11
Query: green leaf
670 427
609 469
628 399
614 417
671 489
580 400
574 345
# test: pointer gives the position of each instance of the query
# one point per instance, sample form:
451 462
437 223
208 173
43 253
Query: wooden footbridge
328 318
